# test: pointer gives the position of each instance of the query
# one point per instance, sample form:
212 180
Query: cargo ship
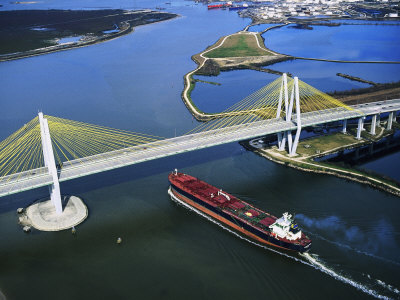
219 5
235 214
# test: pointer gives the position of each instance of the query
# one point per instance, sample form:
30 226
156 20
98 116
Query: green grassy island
239 45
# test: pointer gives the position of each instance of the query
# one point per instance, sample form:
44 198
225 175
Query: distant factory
283 10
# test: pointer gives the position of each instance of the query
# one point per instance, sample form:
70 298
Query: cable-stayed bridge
49 150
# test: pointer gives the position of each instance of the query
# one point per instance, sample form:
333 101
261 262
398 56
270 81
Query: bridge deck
116 159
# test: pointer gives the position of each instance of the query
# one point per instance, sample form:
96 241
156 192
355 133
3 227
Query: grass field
238 45
325 143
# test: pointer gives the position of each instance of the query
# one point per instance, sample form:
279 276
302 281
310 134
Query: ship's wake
306 258
355 249
319 265
351 235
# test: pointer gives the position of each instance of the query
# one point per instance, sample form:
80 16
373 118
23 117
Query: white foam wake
388 286
317 264
354 249
309 260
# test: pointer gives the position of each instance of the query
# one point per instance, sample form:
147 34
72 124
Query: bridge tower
49 162
294 96
283 93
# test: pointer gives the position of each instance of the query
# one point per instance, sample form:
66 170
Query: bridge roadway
128 156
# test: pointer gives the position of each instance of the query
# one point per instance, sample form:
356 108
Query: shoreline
126 26
376 181
319 59
238 63
349 175
225 64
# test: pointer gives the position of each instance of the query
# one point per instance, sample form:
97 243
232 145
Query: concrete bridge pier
283 100
378 120
373 125
282 143
344 129
49 215
49 162
296 98
289 139
360 127
280 139
362 124
292 151
390 121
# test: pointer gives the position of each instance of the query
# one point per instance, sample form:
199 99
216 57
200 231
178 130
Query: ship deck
238 209
226 202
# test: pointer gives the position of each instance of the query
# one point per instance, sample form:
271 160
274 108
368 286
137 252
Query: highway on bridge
128 156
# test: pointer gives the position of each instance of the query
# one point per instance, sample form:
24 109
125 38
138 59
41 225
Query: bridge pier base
44 217
359 127
390 121
344 129
373 124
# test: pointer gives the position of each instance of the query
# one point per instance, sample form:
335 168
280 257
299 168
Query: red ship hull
213 6
212 203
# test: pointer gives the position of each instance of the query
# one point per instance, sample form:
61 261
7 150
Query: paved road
133 155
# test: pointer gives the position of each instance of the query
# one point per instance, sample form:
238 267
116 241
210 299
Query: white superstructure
285 228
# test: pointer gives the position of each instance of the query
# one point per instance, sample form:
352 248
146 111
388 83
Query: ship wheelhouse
284 227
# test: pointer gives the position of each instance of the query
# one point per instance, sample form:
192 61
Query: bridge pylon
289 106
49 162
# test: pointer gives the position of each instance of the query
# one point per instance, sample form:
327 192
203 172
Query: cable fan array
22 151
72 140
262 105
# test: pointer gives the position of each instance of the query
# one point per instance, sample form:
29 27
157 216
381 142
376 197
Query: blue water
135 83
97 84
371 22
111 31
71 39
260 27
349 42
235 85
387 165
322 75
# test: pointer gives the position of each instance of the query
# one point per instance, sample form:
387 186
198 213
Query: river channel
135 83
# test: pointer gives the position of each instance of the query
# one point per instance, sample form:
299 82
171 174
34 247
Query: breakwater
354 78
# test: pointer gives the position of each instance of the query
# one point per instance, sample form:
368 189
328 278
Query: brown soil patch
370 97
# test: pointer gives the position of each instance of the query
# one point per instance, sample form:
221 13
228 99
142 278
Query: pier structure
49 162
373 124
289 107
30 156
375 121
